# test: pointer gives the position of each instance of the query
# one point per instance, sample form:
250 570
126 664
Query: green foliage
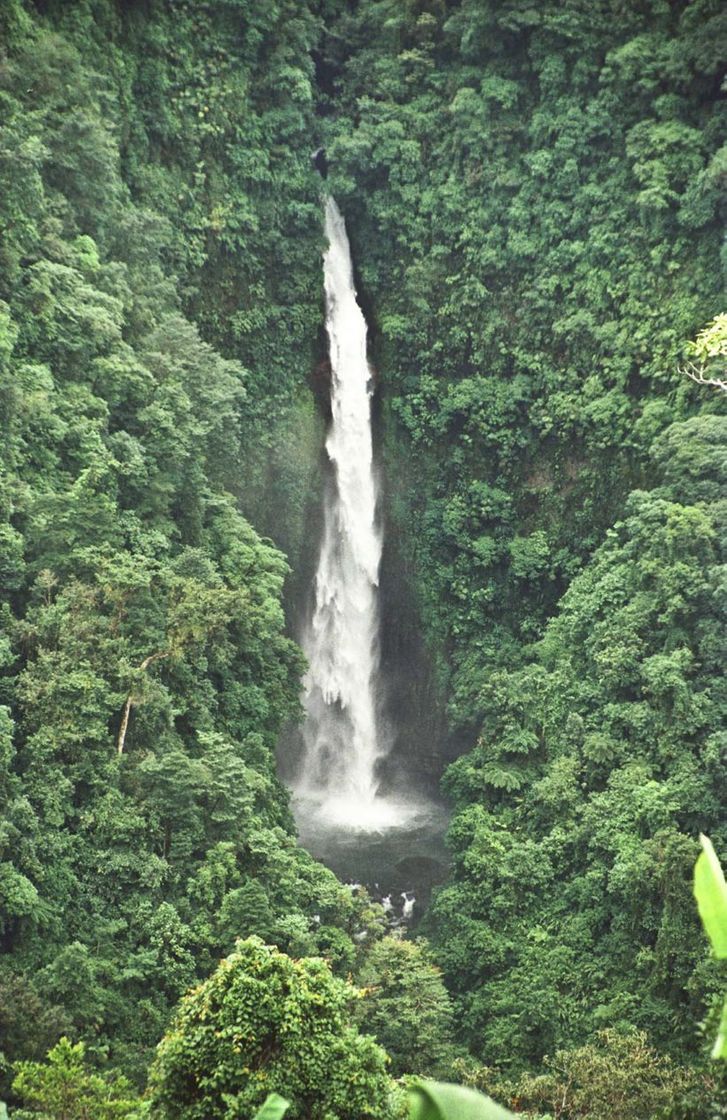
427 1100
710 890
156 297
406 1007
534 201
264 1022
711 342
573 843
63 1088
708 352
533 195
274 1108
615 1076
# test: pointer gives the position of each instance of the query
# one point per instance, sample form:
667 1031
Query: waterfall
342 735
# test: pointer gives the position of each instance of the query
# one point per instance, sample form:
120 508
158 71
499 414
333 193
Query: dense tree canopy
264 1023
145 669
581 802
535 198
407 1008
536 195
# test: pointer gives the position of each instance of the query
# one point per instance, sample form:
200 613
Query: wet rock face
400 907
320 162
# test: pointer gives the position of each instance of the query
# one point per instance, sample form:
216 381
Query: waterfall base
352 814
393 848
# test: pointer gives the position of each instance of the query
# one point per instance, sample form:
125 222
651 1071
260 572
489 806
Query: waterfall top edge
338 250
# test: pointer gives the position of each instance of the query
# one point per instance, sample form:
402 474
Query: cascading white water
342 737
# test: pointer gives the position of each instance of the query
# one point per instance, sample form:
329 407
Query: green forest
535 193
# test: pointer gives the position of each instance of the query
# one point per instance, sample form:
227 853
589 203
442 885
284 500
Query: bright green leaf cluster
710 890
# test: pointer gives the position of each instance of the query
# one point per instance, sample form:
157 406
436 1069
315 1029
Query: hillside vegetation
535 195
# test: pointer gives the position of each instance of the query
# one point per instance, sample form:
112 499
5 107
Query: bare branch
696 373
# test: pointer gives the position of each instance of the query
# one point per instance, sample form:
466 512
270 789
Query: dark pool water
398 863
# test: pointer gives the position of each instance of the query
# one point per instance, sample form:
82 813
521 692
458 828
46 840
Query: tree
616 1077
266 1023
406 1007
708 352
63 1088
569 904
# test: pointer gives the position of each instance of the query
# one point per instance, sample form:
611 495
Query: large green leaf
435 1100
719 1050
274 1108
710 891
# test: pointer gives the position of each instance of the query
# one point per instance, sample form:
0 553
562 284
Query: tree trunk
130 699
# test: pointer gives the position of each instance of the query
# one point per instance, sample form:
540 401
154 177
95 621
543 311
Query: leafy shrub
266 1023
